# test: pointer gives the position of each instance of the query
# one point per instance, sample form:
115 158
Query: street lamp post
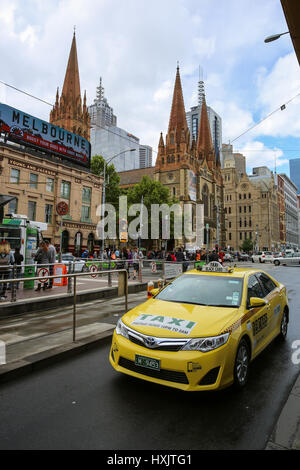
104 190
274 37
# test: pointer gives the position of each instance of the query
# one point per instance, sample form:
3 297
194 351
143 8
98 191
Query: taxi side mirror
256 302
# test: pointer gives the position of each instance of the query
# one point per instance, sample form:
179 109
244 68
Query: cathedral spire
205 148
177 117
68 112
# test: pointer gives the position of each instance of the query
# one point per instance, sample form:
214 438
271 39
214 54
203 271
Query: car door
275 302
258 317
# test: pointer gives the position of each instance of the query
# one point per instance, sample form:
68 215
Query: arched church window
205 200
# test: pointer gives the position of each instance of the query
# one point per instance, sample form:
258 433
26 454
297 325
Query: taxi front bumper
186 370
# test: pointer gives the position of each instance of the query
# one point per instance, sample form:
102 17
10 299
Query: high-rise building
112 141
291 211
109 140
68 111
295 172
215 122
100 112
145 156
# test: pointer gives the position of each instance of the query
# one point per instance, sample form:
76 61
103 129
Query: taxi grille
165 347
162 374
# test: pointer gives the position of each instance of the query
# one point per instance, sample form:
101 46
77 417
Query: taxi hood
171 319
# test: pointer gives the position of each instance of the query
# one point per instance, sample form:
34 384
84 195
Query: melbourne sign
33 132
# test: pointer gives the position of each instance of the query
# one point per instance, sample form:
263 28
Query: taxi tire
242 361
284 326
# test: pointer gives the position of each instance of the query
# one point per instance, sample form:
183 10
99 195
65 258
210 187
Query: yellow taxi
202 330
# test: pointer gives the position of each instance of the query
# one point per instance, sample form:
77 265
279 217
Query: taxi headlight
121 329
206 344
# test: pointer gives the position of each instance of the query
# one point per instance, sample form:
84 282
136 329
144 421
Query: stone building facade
39 183
191 171
251 206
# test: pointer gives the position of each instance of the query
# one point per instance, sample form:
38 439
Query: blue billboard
33 132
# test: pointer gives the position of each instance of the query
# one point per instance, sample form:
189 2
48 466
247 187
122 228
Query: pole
102 209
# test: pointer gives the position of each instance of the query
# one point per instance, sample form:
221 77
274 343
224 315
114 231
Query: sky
134 45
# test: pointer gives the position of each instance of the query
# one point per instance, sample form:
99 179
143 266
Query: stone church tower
68 111
192 172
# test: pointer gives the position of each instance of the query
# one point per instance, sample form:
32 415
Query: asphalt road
82 403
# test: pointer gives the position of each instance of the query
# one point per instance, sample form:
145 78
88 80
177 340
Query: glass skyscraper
295 172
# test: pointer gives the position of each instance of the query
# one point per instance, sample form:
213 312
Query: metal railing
74 277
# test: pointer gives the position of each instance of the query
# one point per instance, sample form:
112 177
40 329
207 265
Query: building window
229 210
33 181
229 235
85 213
229 224
86 194
65 189
13 206
31 210
174 191
249 208
245 209
48 213
205 200
50 185
241 235
15 176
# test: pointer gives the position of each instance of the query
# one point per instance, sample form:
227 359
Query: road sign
62 208
41 273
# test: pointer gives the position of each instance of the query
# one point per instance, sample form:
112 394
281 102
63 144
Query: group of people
130 258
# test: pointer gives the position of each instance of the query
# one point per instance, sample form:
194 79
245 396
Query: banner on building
33 132
192 186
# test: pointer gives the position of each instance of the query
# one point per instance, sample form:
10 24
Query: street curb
43 359
286 432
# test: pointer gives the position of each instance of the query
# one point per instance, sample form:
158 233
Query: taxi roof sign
215 267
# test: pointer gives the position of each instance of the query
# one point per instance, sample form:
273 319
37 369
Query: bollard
70 271
14 285
109 274
150 286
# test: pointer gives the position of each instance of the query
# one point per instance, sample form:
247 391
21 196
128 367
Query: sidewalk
286 433
36 339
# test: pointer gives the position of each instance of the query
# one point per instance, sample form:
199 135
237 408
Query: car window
204 290
267 283
254 288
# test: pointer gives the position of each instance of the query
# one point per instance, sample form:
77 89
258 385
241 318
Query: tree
152 192
112 189
247 245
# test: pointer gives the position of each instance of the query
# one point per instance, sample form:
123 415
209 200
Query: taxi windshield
216 291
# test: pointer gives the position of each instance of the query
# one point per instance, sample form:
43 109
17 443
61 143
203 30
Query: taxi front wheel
241 366
283 326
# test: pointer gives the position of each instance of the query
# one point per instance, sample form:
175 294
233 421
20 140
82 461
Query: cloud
135 46
257 154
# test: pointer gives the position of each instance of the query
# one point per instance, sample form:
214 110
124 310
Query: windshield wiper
183 302
224 305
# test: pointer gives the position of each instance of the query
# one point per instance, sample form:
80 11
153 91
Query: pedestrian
6 262
52 261
42 259
135 259
130 261
18 262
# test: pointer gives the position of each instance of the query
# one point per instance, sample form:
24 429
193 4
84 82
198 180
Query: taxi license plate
147 362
